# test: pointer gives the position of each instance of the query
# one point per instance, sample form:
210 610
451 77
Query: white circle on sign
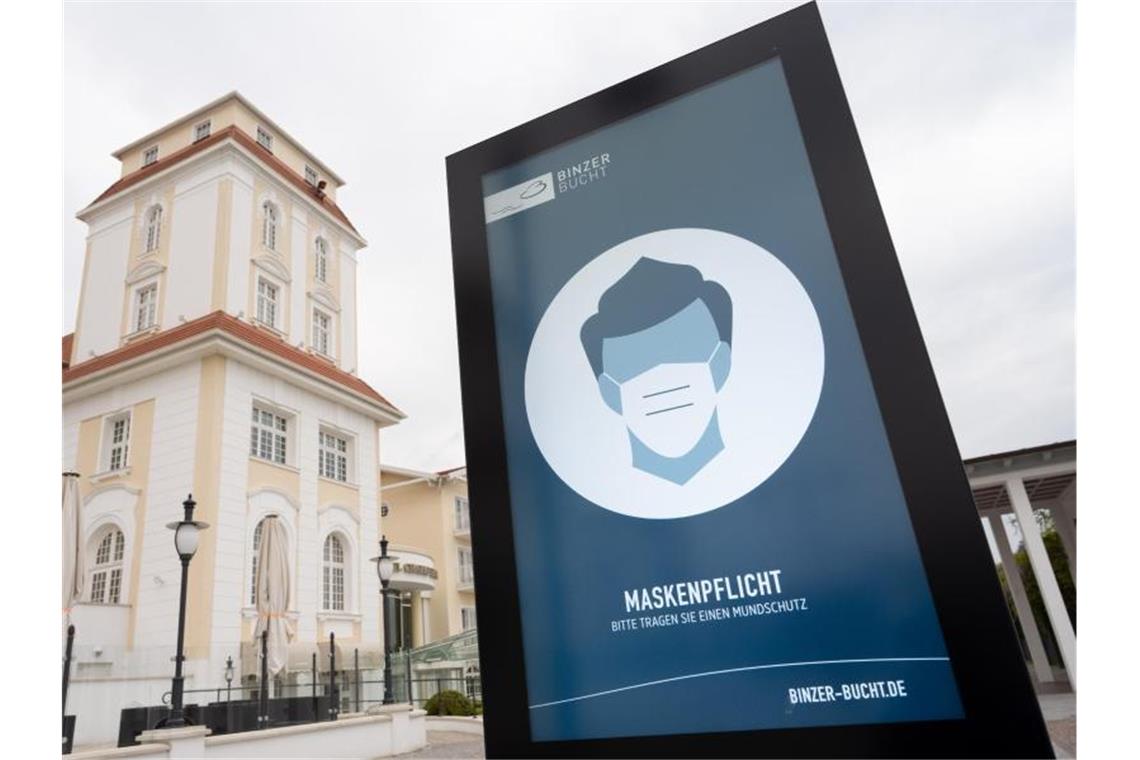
762 409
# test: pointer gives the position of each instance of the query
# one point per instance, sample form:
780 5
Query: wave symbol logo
534 189
519 197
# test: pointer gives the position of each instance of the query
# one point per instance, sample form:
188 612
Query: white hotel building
215 353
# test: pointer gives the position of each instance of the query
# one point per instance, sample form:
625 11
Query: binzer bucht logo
543 188
583 173
522 196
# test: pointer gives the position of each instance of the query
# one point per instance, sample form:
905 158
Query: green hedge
449 703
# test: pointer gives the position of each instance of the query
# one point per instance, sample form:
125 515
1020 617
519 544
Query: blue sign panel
709 529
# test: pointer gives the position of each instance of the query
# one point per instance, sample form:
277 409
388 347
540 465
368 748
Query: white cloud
965 112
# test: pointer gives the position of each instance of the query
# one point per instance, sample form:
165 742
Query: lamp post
384 568
229 675
185 543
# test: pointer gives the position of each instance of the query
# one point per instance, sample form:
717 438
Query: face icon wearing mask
660 347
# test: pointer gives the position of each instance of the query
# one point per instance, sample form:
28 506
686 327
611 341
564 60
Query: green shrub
449 703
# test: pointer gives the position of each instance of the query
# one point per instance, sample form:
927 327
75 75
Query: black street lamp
185 543
384 568
229 675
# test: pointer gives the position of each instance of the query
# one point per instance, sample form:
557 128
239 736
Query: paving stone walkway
449 745
1059 711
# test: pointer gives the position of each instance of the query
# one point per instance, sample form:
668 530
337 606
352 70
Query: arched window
269 226
107 574
332 596
253 562
321 260
153 228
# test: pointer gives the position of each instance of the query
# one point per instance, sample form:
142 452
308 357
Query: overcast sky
964 110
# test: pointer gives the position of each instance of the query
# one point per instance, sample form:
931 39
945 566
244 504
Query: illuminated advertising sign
717 507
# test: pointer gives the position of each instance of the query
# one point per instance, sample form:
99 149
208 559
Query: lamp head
186 539
186 531
384 564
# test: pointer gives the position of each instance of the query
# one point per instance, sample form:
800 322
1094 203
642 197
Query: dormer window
153 228
201 130
310 175
321 260
269 226
150 156
264 139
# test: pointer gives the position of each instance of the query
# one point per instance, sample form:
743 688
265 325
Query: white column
1046 580
425 616
1037 656
1065 518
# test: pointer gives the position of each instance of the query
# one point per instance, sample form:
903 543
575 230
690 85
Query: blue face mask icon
660 347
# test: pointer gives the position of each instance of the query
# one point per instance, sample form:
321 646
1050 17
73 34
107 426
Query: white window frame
268 301
322 334
197 135
467 618
152 228
144 313
329 575
150 156
462 514
465 578
335 455
115 454
264 138
105 584
256 545
321 260
269 434
311 175
270 225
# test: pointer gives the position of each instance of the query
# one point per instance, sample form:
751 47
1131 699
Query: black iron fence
322 693
418 692
356 690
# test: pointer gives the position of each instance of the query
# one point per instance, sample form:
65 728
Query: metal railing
423 689
322 692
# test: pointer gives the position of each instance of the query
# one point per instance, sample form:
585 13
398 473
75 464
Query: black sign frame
1002 717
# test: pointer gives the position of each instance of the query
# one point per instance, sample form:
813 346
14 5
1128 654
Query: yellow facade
207 454
134 475
169 415
421 514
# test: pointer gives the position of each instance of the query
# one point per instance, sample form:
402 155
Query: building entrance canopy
1019 484
414 569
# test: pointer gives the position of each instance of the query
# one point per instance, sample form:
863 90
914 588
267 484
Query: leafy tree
1060 563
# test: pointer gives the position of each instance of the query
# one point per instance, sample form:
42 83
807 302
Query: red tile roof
250 144
254 336
67 341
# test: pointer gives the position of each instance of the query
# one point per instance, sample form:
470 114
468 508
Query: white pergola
1020 483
